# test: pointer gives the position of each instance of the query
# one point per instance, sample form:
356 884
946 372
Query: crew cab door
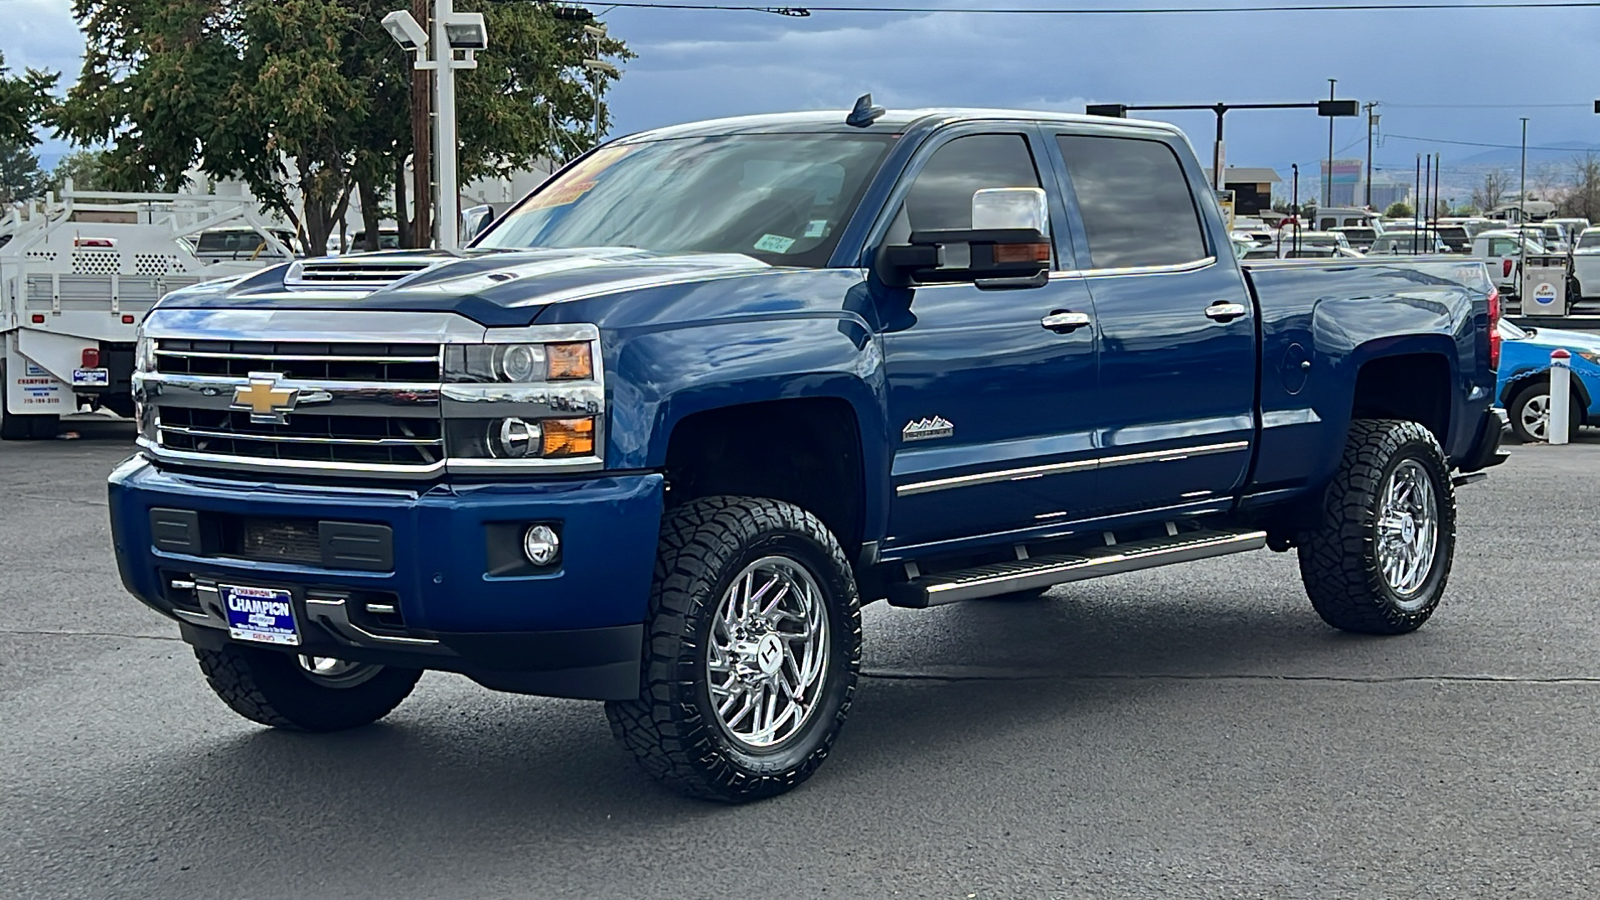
991 393
1174 322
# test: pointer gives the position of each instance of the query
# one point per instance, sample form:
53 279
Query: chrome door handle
1225 312
1062 321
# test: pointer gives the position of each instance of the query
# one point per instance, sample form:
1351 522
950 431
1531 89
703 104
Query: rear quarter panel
1341 316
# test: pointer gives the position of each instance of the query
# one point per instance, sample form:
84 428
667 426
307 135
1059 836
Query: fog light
515 439
541 544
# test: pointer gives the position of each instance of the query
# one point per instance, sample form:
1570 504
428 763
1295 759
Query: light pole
452 31
1327 181
1372 123
596 68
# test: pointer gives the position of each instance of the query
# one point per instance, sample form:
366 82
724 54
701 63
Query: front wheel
751 651
304 693
1530 414
1378 561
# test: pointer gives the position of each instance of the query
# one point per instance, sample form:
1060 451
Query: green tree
1399 211
25 100
308 101
86 168
20 175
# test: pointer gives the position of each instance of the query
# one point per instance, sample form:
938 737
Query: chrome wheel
337 673
766 662
1408 532
1535 416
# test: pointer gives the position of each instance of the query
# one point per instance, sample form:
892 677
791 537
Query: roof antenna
865 113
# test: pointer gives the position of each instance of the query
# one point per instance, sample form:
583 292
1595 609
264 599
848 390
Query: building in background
1252 188
1342 185
1389 189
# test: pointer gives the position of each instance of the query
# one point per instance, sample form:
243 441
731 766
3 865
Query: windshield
782 198
1592 239
1511 332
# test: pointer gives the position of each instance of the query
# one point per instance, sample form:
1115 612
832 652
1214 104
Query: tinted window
941 197
1135 202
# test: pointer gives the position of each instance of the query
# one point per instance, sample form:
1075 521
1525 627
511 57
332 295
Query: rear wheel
751 651
1530 413
304 693
1379 560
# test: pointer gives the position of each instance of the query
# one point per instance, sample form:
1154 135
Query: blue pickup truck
657 435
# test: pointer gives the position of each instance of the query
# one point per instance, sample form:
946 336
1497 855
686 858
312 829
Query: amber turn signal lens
569 362
1021 253
568 437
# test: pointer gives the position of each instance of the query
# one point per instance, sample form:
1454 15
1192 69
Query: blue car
1524 382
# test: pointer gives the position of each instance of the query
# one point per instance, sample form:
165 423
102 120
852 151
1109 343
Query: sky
1455 78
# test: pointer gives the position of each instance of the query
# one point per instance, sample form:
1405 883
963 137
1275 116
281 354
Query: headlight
516 438
526 399
1591 355
518 363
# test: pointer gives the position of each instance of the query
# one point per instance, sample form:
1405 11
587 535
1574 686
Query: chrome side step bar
1045 571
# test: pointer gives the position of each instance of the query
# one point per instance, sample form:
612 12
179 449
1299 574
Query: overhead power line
1428 140
801 11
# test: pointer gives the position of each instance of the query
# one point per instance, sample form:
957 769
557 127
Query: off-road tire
23 428
672 728
1339 560
1532 392
273 689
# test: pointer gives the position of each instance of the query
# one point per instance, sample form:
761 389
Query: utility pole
1295 205
421 142
1522 187
1437 164
1416 205
1327 180
1372 123
1522 211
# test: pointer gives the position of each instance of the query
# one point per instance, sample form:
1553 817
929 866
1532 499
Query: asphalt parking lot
1194 731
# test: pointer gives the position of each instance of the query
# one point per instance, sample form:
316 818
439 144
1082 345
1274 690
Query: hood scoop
356 273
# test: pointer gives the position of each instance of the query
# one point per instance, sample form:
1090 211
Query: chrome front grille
341 393
300 360
408 440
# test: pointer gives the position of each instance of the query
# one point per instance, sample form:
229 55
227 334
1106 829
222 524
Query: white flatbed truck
78 272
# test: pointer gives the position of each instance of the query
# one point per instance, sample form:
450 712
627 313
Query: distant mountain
1543 154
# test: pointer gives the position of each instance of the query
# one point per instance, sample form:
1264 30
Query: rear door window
1135 201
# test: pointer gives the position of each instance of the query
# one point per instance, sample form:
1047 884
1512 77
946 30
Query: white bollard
1560 395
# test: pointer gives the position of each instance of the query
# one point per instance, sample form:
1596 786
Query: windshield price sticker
260 614
775 243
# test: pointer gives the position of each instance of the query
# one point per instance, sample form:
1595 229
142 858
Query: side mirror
1007 247
474 221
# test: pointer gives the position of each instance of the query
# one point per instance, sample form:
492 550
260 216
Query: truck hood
491 287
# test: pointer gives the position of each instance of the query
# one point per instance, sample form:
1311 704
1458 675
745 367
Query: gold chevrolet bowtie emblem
266 403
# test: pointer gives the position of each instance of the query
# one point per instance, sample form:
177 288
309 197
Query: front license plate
91 377
260 614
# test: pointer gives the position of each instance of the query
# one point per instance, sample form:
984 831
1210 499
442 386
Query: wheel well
1425 397
803 451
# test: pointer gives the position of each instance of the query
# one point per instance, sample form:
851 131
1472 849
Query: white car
1407 243
1503 251
1360 237
1586 263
